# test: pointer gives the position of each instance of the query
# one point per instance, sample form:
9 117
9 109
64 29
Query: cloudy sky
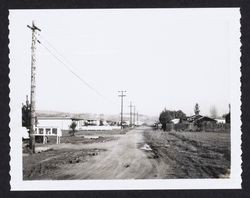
169 58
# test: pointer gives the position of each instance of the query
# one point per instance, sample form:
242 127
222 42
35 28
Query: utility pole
137 117
33 87
134 116
130 115
122 95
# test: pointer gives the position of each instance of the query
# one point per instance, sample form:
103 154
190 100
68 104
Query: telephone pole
122 95
33 87
134 116
137 117
130 114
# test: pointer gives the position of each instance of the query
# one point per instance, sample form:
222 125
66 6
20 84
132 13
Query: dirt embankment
47 165
191 154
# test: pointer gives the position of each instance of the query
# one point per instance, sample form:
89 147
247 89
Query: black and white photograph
104 99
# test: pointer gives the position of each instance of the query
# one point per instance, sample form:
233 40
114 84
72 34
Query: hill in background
113 117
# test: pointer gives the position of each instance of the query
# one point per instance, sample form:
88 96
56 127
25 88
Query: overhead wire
58 53
68 67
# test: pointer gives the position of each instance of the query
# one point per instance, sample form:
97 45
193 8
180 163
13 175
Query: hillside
113 117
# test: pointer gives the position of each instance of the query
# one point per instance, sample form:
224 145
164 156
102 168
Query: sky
163 58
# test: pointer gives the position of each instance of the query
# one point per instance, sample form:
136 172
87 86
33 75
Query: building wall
59 123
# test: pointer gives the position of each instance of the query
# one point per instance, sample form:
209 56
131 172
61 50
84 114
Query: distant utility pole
134 116
137 117
122 95
130 116
33 87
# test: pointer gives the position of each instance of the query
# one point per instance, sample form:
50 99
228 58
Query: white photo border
234 182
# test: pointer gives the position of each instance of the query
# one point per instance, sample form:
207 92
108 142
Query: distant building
199 119
91 122
53 126
194 118
139 123
175 121
221 121
59 122
46 132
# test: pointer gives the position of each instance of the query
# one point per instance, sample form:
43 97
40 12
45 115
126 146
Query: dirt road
140 153
127 158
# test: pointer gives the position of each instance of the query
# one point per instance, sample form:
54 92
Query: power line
63 57
49 43
69 64
74 73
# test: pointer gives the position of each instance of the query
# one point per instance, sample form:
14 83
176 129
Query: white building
175 121
53 126
47 131
59 122
221 121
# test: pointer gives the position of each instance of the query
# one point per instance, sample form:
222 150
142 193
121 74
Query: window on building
54 131
40 131
47 131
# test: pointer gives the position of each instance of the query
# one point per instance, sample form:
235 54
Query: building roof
53 118
200 118
193 118
205 118
59 118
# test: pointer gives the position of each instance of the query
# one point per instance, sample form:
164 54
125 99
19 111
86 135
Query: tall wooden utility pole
134 116
33 87
122 95
130 114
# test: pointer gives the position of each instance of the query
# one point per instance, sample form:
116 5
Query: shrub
73 127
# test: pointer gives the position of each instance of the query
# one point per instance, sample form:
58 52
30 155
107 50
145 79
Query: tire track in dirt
123 160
